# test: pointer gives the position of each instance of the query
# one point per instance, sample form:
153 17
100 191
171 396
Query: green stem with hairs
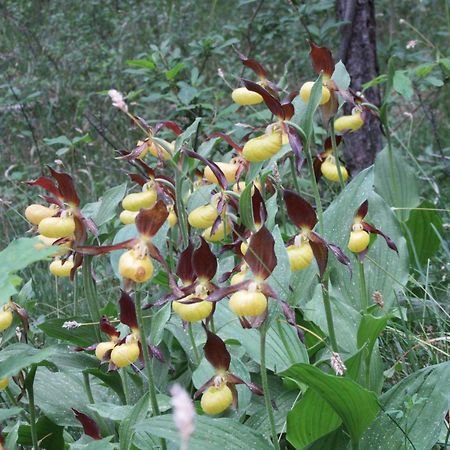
147 361
194 346
362 288
265 385
336 155
329 315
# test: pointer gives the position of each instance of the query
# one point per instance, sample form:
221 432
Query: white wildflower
337 364
71 324
183 413
117 100
411 44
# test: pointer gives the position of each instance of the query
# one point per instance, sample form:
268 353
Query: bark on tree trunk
359 54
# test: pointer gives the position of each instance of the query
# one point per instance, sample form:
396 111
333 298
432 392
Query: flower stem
336 155
265 385
362 288
31 406
148 364
329 315
294 174
194 346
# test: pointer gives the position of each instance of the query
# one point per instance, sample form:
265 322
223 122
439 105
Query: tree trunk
359 54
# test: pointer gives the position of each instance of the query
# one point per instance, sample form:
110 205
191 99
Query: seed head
117 100
377 298
337 364
71 324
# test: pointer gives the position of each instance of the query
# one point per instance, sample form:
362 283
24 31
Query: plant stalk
315 187
194 346
329 315
336 155
31 406
147 361
294 174
362 288
265 385
91 293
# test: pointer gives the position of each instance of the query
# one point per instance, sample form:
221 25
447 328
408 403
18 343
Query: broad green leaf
126 429
396 181
111 379
144 63
356 406
422 228
20 356
10 412
172 73
369 329
310 419
402 84
216 434
108 204
16 256
50 435
60 140
158 323
340 76
279 279
190 131
111 411
246 208
82 336
87 443
418 404
307 119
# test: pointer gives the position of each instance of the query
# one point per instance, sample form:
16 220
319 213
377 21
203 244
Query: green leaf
422 399
159 320
87 443
108 204
172 73
10 412
82 336
126 429
50 435
190 131
16 256
340 76
279 279
16 357
310 419
143 63
111 411
60 140
307 120
369 329
111 379
396 181
356 406
423 229
219 434
186 93
402 84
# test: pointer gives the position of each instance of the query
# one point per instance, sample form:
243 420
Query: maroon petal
213 166
156 352
253 65
149 221
322 59
136 152
107 328
320 251
231 378
317 164
300 212
89 425
169 124
271 102
288 109
362 210
389 241
259 208
329 109
204 261
138 179
66 187
260 255
228 140
328 145
91 250
216 352
203 387
90 225
185 269
127 311
219 294
47 184
289 314
297 146
340 256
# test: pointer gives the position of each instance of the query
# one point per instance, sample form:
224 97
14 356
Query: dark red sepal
271 102
300 212
322 59
328 145
204 262
91 250
362 210
215 351
297 146
288 109
370 229
340 256
213 166
289 314
138 179
320 252
47 184
107 328
127 311
169 124
136 152
233 379
228 140
149 221
203 387
89 425
260 255
156 353
66 187
185 270
220 293
259 208
253 65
